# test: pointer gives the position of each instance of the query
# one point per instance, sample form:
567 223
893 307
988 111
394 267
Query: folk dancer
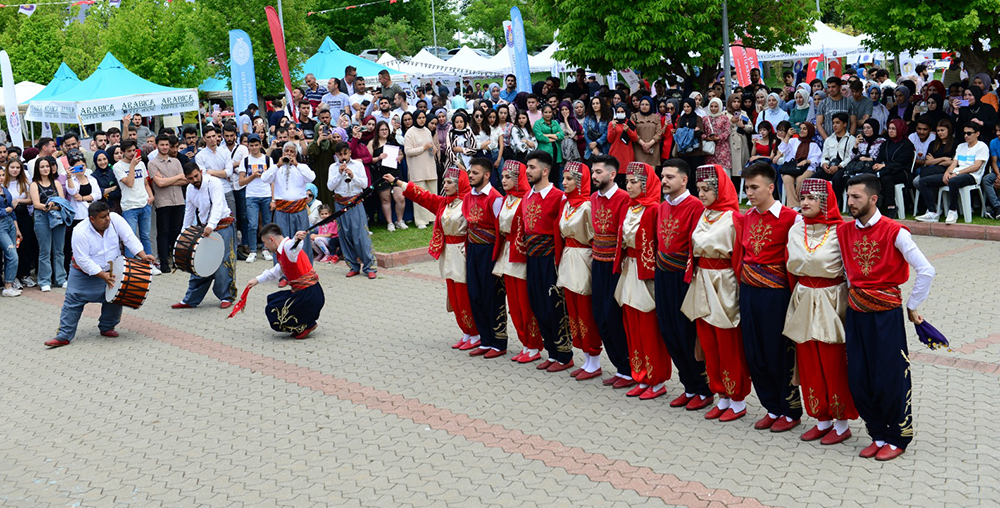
712 301
764 294
815 318
447 244
205 203
95 245
511 263
543 244
876 252
294 311
347 179
573 272
635 256
487 297
678 215
290 201
608 207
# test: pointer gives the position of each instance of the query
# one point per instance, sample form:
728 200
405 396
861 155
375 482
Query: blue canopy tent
64 79
215 88
330 62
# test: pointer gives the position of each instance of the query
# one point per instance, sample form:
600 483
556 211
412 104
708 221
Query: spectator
921 141
388 88
509 91
10 236
46 148
966 168
246 118
504 125
771 112
258 194
802 156
326 241
81 190
834 103
71 141
983 115
718 128
361 100
114 136
579 88
902 107
134 121
419 147
314 203
522 136
860 107
15 180
383 114
622 136
167 174
991 182
649 132
837 150
386 193
348 85
534 114
880 113
305 121
237 152
215 160
549 135
314 92
402 106
461 144
191 142
50 226
336 101
595 129
985 84
802 109
892 165
137 195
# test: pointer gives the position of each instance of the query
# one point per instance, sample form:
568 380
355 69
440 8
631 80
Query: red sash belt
307 279
820 282
224 223
295 206
454 239
874 300
671 261
572 242
765 276
343 200
715 263
632 253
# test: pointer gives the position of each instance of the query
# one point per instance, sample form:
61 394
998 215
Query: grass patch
400 240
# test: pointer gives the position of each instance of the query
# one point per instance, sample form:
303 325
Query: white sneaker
952 217
391 227
267 255
28 282
155 270
46 289
422 226
252 257
66 284
17 284
401 225
11 292
928 217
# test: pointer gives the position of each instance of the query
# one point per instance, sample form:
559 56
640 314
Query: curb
963 231
403 257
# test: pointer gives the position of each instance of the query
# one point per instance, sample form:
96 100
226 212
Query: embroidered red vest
871 258
673 230
294 269
606 216
645 245
483 223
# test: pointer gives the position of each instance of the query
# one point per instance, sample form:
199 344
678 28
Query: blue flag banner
519 49
243 80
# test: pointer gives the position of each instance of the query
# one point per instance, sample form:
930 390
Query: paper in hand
391 154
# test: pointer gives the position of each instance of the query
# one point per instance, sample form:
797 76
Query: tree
396 37
487 16
680 37
351 29
911 25
34 43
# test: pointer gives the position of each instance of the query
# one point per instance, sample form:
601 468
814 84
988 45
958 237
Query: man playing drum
205 203
95 245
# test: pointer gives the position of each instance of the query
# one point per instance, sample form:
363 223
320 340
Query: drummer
95 246
205 204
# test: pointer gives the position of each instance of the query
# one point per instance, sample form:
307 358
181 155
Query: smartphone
963 103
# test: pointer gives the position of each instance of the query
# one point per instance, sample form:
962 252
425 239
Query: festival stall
822 41
330 62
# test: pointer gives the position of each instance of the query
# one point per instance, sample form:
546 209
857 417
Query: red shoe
559 367
54 343
714 413
887 453
283 283
181 305
783 425
681 401
870 451
544 365
372 275
458 344
109 333
225 304
637 391
623 383
611 381
517 357
351 273
333 259
765 423
479 351
305 333
834 438
494 353
468 345
589 375
649 394
698 403
526 358
730 415
576 372
816 433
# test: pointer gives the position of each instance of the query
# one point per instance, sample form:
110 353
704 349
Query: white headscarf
774 115
811 116
722 108
699 110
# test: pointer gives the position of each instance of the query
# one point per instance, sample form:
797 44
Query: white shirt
337 183
544 192
358 98
674 202
256 188
967 156
207 204
289 181
911 253
217 160
135 196
400 111
235 158
834 148
275 272
81 206
94 252
922 147
497 203
775 210
611 191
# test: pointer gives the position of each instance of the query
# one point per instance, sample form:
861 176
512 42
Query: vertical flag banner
519 48
814 69
744 59
244 82
10 102
632 79
508 33
279 50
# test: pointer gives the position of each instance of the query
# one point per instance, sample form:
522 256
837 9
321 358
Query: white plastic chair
899 188
964 200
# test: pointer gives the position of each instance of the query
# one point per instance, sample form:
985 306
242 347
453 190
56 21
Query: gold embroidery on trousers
836 408
467 320
649 368
813 401
906 426
283 318
728 383
564 341
533 328
582 328
636 362
500 328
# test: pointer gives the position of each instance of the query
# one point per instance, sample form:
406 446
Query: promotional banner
279 49
744 59
242 77
10 102
632 79
113 108
508 34
519 50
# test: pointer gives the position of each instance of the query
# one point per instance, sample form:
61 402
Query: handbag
708 147
858 166
569 150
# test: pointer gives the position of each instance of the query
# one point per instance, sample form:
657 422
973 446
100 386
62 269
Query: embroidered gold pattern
813 402
728 383
669 227
582 328
836 408
648 257
531 214
564 341
906 425
866 252
519 243
636 362
475 214
602 220
437 240
283 318
467 319
533 328
649 369
760 234
572 328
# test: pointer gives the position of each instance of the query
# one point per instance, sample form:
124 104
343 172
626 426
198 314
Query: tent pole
200 134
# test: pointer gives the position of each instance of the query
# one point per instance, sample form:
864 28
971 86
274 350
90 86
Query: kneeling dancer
294 311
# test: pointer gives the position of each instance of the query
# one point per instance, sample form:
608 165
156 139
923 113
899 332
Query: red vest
478 211
871 258
294 269
677 223
765 237
541 216
606 216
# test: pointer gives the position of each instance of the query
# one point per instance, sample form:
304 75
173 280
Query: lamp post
725 49
435 28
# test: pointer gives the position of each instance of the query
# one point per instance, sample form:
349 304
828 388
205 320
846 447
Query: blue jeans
139 220
84 289
990 192
50 249
224 287
255 206
291 223
8 241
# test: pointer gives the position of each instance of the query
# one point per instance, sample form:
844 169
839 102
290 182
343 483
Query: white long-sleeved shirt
911 253
790 148
289 180
337 183
219 160
834 148
81 206
94 252
207 204
275 272
497 203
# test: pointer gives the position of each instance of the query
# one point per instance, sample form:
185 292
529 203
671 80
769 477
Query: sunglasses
969 133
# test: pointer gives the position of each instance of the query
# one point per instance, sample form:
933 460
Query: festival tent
330 62
215 88
24 90
468 59
822 41
424 65
111 92
63 80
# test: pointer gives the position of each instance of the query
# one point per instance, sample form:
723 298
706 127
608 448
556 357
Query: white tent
468 59
542 62
425 57
823 41
24 90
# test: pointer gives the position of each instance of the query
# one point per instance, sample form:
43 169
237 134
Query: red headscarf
822 189
463 185
518 171
651 189
582 175
901 129
726 199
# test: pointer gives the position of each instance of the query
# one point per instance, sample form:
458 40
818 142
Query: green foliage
397 37
34 43
487 16
896 26
353 29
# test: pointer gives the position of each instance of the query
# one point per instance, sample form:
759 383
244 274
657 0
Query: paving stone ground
187 408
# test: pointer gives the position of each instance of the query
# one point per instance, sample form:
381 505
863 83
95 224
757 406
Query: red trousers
458 297
823 373
581 323
647 351
519 309
725 362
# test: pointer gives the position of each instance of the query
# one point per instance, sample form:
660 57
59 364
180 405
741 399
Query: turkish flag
836 68
813 70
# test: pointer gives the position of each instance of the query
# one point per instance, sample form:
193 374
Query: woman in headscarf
902 107
105 175
718 128
461 144
935 87
935 110
313 203
772 111
670 109
448 243
622 136
802 111
699 103
975 112
880 113
441 137
868 146
687 143
572 131
892 165
649 131
419 146
985 84
815 316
